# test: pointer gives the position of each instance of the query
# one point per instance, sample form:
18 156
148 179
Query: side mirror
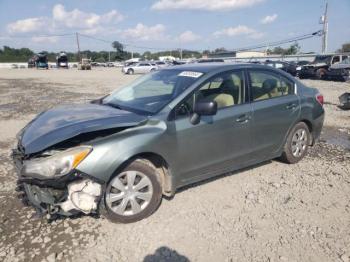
203 109
206 108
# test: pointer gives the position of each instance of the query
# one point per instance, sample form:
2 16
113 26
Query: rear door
276 108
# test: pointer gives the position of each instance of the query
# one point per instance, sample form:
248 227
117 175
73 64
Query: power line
280 42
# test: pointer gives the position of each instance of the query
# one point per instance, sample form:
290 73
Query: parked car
41 61
300 64
120 154
285 66
139 68
62 60
160 64
14 66
31 62
210 60
319 67
84 64
340 71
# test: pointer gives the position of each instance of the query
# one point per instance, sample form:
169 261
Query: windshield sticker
191 74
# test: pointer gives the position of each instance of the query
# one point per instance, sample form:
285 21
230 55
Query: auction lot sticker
191 74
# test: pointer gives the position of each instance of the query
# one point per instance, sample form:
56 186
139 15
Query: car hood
65 122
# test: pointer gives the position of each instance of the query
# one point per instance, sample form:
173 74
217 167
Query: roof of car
208 67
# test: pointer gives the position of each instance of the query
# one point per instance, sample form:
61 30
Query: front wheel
297 144
133 194
321 74
130 72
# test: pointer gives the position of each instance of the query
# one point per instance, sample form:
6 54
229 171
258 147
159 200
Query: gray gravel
269 212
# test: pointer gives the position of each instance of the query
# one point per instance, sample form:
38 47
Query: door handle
243 119
291 106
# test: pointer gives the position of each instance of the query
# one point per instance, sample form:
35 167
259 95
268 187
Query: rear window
267 85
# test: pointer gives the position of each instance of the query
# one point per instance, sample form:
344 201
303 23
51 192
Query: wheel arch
161 165
310 127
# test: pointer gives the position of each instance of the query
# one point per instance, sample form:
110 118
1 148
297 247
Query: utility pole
77 36
324 21
109 56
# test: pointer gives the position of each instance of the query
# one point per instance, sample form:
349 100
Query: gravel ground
269 212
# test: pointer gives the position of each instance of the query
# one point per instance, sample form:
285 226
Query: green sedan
119 155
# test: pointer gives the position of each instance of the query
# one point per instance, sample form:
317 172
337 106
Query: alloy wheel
299 142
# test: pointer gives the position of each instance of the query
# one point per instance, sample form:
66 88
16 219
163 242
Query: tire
290 153
119 204
153 69
130 72
321 74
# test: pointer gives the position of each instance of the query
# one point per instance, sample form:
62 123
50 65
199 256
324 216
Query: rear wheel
133 194
297 144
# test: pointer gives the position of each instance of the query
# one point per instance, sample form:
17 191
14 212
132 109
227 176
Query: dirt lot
271 212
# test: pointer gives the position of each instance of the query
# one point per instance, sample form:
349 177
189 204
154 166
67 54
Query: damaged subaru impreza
119 155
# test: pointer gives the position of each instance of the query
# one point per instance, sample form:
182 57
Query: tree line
8 54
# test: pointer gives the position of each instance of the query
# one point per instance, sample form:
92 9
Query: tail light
319 98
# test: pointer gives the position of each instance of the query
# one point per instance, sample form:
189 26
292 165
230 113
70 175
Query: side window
266 85
226 89
344 57
336 59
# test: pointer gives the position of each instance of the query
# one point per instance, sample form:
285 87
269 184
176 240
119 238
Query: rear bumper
317 127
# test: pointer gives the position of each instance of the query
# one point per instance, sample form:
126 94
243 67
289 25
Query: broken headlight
58 164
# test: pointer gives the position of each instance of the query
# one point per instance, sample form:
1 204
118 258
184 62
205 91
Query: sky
168 24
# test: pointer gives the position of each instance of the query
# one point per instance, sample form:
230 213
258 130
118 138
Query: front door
218 142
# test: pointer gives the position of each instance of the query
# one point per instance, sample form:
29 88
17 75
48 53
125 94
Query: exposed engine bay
83 195
79 196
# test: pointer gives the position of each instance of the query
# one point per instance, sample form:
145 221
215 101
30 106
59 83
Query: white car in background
139 68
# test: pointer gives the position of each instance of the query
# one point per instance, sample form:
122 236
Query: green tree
119 48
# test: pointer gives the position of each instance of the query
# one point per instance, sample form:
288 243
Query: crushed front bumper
69 195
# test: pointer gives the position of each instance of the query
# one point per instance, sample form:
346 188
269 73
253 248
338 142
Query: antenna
324 21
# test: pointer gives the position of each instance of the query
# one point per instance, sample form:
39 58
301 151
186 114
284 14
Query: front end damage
69 195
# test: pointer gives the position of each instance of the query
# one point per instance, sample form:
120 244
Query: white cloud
146 33
62 20
80 19
269 19
239 30
209 5
27 25
188 37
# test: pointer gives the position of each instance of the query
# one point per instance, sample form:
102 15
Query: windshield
150 93
322 59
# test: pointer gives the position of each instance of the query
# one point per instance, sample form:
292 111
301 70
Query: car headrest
270 84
